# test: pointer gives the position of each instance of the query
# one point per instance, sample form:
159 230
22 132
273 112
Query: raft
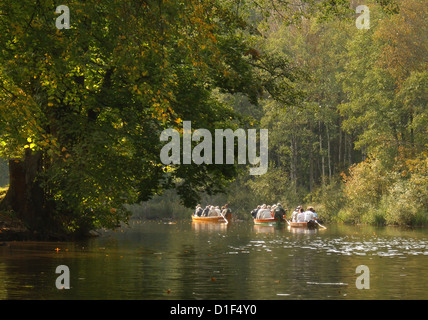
218 219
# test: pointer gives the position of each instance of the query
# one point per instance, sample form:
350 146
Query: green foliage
163 206
94 99
4 173
361 114
328 201
337 100
406 202
376 195
270 187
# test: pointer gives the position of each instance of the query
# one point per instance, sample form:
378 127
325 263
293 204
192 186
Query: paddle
319 224
225 220
285 216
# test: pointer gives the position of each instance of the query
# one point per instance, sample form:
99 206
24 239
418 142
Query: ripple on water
377 246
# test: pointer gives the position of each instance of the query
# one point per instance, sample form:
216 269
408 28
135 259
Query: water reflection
302 230
206 226
264 228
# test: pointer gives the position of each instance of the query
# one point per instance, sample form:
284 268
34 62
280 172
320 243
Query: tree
385 81
82 109
360 112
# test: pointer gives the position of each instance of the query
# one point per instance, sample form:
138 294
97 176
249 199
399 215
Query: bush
378 196
164 206
406 203
328 201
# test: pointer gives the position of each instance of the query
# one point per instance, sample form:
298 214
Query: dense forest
82 109
355 144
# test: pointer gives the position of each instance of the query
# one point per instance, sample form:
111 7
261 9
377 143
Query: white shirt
309 215
301 217
264 214
294 216
212 213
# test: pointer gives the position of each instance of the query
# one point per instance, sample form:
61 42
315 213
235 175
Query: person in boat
217 209
254 212
315 214
206 211
310 214
260 211
295 213
279 212
198 211
227 212
301 215
264 213
272 209
267 214
213 212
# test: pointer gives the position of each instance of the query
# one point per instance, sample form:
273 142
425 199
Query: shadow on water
185 260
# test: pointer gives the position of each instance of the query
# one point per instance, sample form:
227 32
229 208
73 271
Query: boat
269 221
218 219
308 225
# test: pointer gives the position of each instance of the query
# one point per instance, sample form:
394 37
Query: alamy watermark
63 21
363 280
203 152
63 281
363 21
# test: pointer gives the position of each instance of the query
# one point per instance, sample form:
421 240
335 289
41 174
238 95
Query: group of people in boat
213 211
301 215
261 212
277 211
268 212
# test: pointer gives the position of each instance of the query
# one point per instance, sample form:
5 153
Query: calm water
156 260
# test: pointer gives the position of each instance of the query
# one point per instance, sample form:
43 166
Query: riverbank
12 228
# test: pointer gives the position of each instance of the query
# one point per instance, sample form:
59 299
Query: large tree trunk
25 195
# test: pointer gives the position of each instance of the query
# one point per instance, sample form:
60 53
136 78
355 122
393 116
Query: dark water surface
157 260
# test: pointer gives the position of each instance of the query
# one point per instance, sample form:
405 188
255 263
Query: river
239 261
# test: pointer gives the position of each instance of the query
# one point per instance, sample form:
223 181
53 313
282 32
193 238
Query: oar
285 217
225 220
319 224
